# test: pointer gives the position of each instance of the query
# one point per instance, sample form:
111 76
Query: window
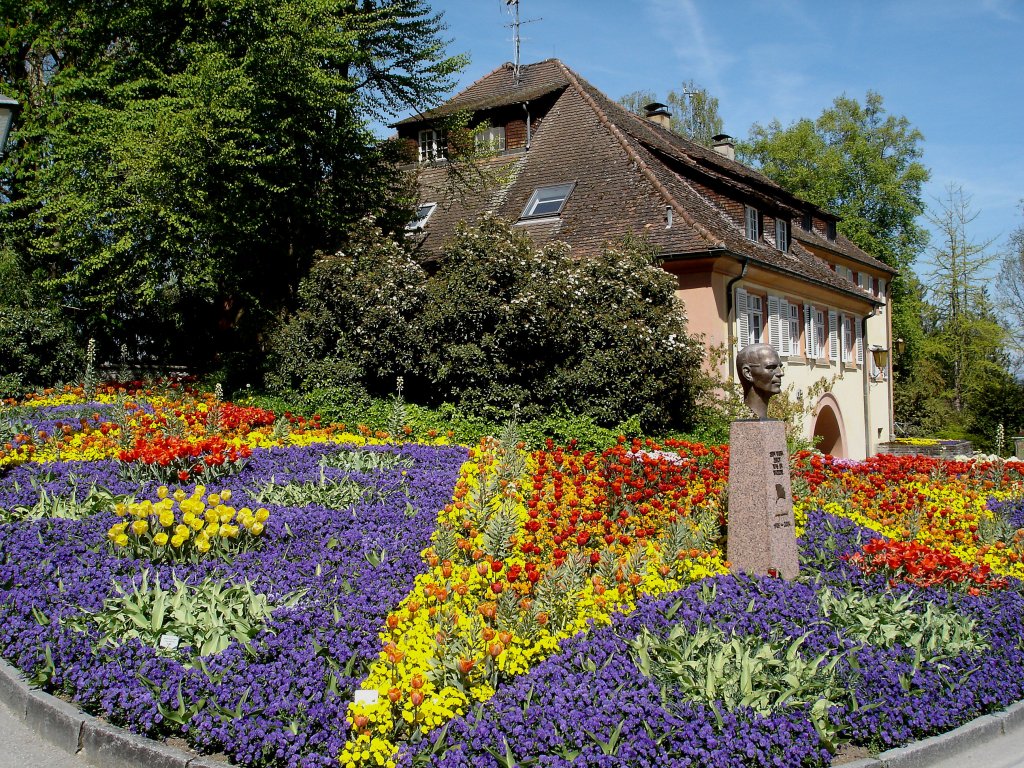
491 139
755 319
422 214
749 318
547 201
753 223
830 230
793 316
808 222
430 146
847 351
820 338
782 234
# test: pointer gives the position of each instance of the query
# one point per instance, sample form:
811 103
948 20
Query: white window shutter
881 288
809 331
774 332
742 319
785 342
833 337
860 341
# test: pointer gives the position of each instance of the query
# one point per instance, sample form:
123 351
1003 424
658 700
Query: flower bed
311 595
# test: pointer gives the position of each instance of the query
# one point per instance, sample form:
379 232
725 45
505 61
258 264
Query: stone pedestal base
762 537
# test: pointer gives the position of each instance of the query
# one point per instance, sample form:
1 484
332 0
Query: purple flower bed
562 710
281 700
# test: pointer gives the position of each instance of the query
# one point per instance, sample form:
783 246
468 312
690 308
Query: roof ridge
616 133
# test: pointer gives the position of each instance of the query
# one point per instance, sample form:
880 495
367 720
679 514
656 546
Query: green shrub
506 324
352 327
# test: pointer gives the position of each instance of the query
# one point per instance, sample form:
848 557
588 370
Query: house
753 262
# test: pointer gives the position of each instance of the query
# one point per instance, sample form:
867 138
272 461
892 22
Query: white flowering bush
508 324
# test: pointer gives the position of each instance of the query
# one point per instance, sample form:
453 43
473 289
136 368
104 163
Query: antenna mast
516 24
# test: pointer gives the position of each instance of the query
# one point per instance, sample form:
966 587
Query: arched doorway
828 425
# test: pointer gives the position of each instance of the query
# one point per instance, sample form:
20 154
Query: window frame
782 235
537 199
820 334
420 221
755 310
793 319
751 223
429 145
490 139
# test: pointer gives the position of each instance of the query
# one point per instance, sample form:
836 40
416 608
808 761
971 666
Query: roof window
423 212
547 201
830 230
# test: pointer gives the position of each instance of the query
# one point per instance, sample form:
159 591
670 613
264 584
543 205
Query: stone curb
101 744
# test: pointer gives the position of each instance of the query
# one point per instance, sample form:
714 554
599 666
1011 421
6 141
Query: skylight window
547 201
422 214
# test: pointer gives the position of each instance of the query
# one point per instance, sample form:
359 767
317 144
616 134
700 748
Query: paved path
20 747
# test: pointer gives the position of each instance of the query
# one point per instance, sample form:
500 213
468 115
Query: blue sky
954 68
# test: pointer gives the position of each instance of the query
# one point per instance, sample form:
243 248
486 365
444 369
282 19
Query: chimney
658 113
724 145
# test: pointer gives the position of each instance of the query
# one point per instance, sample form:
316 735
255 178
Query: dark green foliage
177 165
352 328
36 335
508 325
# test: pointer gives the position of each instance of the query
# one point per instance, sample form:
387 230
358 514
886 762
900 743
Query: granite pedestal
762 536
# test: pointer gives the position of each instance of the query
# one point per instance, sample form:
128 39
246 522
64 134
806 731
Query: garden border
103 745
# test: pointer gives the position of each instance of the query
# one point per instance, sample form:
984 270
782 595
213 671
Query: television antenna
516 24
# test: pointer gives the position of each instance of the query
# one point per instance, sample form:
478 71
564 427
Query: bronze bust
759 368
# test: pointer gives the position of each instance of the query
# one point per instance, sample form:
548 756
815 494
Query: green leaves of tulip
208 616
733 671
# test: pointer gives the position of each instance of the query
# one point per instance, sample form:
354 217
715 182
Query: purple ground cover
274 701
562 710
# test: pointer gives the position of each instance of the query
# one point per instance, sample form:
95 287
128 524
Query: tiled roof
628 172
499 88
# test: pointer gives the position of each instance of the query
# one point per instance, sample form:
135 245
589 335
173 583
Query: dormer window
430 146
782 235
491 139
547 201
830 230
808 222
422 214
753 223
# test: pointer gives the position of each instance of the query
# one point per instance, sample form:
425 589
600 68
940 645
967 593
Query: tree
694 110
178 165
1011 292
968 333
864 165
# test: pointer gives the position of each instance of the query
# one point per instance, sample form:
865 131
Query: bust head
759 368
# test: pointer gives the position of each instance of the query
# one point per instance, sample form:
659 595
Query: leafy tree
863 164
506 325
177 165
37 346
694 111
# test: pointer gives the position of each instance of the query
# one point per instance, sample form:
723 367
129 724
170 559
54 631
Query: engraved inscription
777 459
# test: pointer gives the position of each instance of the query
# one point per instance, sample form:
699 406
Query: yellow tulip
161 492
160 539
139 527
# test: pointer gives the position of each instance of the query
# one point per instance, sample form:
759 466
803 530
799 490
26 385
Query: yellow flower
213 499
182 532
166 518
226 494
121 540
160 539
179 495
203 544
262 514
139 527
161 492
257 529
177 541
212 529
